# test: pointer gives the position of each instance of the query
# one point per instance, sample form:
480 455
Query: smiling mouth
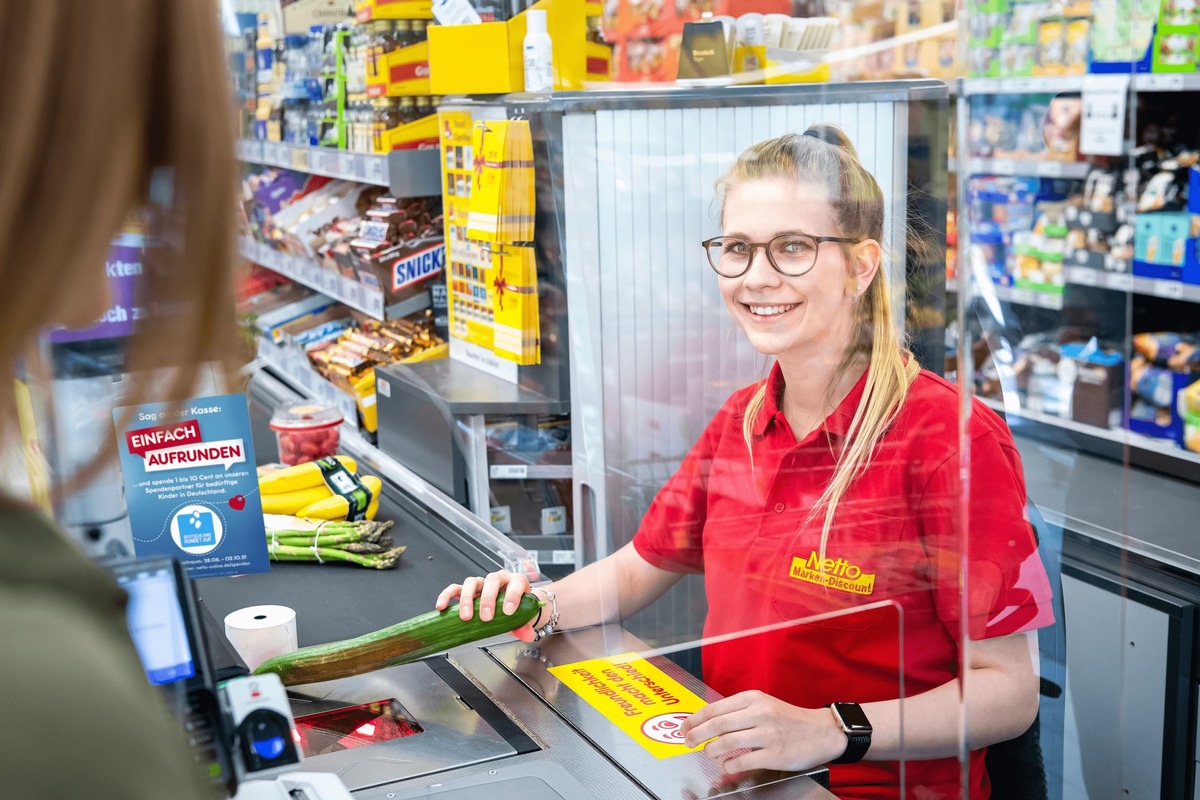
769 311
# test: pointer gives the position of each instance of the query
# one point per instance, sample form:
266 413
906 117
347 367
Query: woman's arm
608 590
1001 696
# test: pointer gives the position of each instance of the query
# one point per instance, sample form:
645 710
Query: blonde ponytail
823 154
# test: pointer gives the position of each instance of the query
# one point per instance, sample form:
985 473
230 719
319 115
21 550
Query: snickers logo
418 266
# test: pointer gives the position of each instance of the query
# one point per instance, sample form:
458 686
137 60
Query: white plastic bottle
539 55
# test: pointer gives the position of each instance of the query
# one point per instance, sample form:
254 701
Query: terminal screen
157 626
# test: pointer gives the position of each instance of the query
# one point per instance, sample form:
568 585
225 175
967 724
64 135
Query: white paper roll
261 632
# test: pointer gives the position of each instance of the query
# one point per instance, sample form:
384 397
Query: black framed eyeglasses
791 254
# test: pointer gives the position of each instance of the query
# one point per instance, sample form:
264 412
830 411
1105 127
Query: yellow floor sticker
636 696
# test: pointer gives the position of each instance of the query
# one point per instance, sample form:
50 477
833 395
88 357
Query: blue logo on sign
196 529
418 266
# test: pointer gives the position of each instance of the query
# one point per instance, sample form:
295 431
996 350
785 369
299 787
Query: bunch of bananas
301 491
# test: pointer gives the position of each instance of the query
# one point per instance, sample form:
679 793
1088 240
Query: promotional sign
123 268
191 485
636 696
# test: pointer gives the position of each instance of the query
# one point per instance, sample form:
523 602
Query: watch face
852 717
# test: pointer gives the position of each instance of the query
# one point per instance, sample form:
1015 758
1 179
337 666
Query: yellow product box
419 135
1051 48
598 63
496 63
933 57
784 72
748 58
402 73
367 10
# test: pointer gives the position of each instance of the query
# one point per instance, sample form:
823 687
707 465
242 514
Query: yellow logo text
838 573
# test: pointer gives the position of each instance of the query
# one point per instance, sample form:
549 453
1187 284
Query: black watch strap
854 723
857 745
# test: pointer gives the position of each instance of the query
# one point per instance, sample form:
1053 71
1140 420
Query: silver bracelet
552 623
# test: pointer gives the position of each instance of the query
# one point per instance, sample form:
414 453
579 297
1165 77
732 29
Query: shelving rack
406 173
1122 444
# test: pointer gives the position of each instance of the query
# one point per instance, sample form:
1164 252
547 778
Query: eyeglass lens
791 254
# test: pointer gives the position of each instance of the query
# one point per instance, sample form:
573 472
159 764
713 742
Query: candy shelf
348 291
292 366
406 173
359 296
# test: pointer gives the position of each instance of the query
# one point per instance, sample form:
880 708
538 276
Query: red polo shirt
896 545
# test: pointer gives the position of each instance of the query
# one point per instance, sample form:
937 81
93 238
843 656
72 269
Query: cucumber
423 635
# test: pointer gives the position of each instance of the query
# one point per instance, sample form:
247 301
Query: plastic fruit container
306 432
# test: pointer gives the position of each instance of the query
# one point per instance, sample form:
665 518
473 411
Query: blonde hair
146 126
825 156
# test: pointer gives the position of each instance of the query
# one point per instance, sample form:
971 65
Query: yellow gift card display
490 203
515 301
636 696
502 202
467 276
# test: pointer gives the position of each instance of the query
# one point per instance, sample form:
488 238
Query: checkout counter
486 719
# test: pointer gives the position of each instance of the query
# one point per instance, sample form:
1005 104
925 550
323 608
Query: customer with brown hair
111 109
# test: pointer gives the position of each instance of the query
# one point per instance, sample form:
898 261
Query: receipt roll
261 632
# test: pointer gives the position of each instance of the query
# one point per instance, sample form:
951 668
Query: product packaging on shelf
349 362
1162 377
1097 386
497 64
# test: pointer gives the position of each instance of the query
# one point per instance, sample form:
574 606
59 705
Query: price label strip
1172 289
376 170
508 471
647 704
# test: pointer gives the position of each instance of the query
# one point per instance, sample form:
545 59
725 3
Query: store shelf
359 296
361 167
1187 82
547 550
1086 276
1011 294
1031 167
464 390
1125 282
293 368
1167 83
1056 84
1119 436
406 173
499 472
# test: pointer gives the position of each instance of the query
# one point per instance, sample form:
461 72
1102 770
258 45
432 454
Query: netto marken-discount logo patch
838 573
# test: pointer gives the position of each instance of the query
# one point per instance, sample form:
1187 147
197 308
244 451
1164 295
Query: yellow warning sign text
636 696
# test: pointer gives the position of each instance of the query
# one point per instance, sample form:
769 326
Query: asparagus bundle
366 543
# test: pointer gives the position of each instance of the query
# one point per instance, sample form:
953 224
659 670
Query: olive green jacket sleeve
78 718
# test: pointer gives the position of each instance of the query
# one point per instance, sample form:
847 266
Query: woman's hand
756 731
514 586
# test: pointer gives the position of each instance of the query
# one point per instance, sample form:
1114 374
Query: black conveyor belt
338 601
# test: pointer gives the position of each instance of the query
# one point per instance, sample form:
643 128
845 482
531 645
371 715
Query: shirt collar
836 424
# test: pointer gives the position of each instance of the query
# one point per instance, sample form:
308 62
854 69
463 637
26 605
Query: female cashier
832 488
